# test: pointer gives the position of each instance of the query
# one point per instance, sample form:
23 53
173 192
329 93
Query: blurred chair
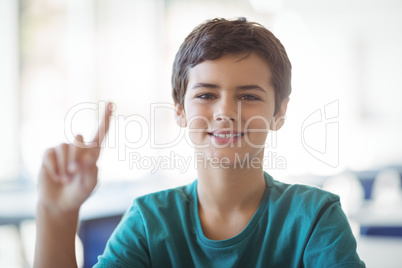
386 192
349 189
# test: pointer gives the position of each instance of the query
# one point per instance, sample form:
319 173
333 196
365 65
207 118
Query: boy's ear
180 116
279 117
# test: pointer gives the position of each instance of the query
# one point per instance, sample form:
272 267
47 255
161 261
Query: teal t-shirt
294 226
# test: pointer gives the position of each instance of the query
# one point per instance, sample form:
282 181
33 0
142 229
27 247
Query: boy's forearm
55 238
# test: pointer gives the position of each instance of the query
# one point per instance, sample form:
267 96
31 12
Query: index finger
103 127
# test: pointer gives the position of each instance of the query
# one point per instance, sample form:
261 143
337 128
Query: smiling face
229 107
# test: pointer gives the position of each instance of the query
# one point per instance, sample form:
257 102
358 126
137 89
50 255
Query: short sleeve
127 246
331 243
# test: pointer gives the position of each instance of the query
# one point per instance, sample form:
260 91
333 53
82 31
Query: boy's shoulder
299 203
163 198
162 210
280 191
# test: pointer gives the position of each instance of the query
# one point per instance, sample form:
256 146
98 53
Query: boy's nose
226 111
224 118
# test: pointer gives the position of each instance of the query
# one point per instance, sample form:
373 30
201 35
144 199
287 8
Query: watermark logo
135 131
182 163
320 134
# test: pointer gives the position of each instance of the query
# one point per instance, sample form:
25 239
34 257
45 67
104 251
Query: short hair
218 37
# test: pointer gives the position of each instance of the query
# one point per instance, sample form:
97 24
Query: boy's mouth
226 136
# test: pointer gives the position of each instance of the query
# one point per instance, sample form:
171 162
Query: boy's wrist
54 211
56 231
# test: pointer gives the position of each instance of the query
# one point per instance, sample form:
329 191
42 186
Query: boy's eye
249 97
206 96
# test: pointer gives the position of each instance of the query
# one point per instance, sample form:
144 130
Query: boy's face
229 107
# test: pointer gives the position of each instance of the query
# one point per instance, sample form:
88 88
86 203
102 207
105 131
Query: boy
231 85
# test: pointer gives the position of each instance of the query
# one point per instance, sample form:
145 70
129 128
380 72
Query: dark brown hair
219 37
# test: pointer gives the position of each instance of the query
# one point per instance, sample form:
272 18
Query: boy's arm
332 243
128 246
55 242
67 178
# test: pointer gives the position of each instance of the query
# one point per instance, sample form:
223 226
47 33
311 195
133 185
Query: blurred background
60 60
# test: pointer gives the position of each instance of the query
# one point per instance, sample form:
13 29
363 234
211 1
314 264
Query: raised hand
69 172
68 176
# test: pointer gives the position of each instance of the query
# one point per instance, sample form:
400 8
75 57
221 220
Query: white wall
9 112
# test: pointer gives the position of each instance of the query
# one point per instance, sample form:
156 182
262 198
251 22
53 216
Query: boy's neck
230 189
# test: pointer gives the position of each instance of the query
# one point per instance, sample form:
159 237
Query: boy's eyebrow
205 85
249 87
213 86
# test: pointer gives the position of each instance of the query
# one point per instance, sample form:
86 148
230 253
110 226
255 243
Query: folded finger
62 159
89 159
74 154
49 163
